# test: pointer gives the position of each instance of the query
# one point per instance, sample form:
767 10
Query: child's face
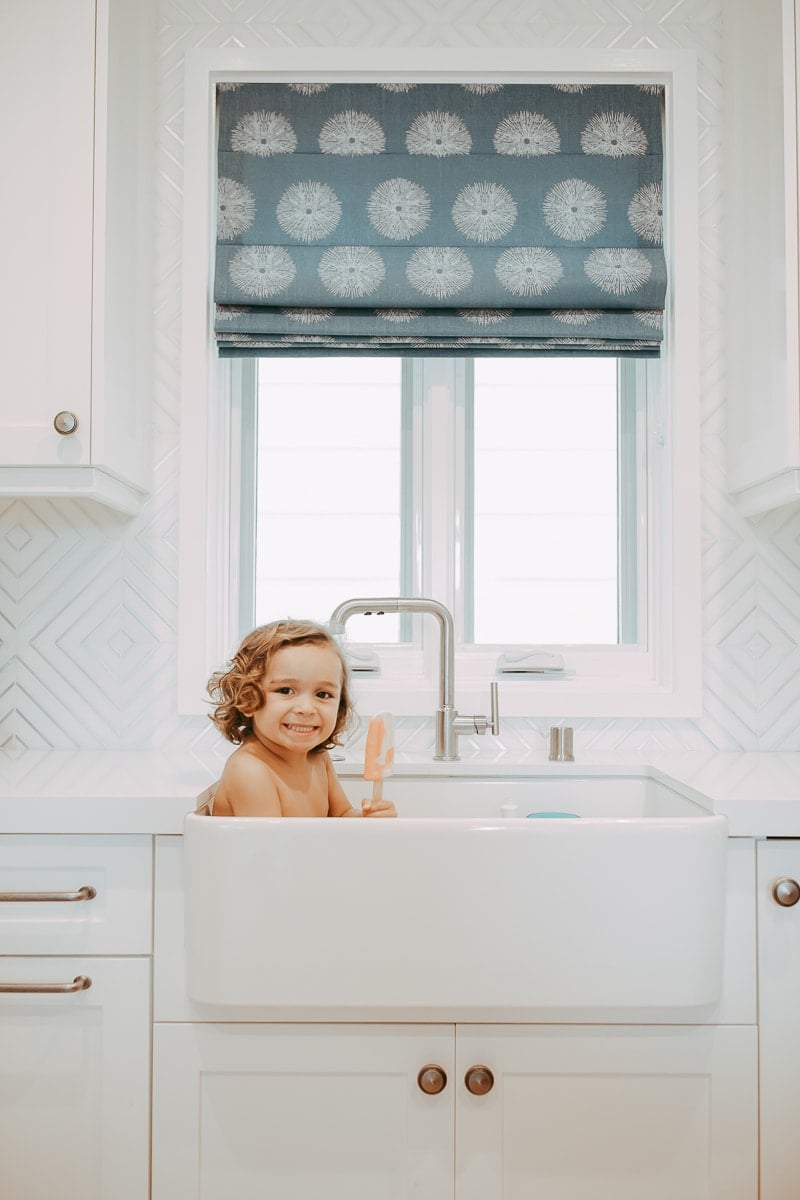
302 686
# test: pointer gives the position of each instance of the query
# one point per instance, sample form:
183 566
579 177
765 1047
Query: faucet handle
482 724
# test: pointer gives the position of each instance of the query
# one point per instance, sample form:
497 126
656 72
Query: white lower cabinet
607 1112
75 1016
301 1112
567 1112
779 1016
74 1079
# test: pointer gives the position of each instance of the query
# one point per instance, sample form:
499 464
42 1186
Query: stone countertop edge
149 792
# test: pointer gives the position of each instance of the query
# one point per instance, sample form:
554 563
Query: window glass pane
545 501
328 514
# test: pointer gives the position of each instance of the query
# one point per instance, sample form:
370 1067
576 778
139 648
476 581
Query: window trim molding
668 681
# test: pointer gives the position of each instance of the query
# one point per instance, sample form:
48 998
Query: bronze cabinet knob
479 1080
785 892
432 1079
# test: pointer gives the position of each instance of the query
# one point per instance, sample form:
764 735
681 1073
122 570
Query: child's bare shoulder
246 763
248 786
244 759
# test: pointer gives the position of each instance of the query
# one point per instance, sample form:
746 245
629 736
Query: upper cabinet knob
479 1080
785 891
65 423
432 1079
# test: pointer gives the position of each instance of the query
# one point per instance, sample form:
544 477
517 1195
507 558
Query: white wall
88 602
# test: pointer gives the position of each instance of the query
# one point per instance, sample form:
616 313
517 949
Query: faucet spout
409 604
448 724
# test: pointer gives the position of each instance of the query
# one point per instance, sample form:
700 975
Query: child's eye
325 695
283 691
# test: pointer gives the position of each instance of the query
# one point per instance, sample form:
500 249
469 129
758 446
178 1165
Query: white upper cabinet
75 216
761 254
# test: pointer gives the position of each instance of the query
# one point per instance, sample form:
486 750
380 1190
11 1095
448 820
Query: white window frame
661 679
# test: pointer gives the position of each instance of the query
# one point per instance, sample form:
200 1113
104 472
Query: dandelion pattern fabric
457 218
484 211
308 211
399 209
236 208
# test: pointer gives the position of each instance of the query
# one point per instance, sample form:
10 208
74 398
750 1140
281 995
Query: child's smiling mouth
301 728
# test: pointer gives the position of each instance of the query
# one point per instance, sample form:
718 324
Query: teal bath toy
553 814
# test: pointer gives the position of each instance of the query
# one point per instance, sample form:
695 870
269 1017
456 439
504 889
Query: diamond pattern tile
88 604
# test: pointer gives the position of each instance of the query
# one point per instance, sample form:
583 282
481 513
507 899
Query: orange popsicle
379 752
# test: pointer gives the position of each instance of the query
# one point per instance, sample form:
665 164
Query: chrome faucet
448 722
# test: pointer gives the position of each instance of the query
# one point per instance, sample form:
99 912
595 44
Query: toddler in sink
284 701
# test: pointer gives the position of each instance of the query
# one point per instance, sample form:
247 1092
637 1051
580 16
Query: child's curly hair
238 687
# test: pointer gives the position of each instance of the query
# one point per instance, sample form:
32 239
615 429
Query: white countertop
147 791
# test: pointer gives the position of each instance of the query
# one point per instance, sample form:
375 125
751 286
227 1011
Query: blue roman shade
439 218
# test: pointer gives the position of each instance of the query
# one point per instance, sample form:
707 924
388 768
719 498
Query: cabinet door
301 1112
74 1080
607 1113
47 95
779 1020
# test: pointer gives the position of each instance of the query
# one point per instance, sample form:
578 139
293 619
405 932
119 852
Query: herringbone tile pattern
88 603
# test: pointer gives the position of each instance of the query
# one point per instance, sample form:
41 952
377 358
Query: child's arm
340 806
249 788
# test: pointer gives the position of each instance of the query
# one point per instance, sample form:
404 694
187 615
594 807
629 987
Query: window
329 490
520 492
536 458
642 657
549 559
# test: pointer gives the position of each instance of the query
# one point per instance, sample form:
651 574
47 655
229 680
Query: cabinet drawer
75 895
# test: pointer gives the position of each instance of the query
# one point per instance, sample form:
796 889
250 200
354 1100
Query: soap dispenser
561 744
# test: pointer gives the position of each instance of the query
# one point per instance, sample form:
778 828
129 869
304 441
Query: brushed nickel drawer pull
85 893
79 984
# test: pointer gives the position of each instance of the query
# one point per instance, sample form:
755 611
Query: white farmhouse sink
456 908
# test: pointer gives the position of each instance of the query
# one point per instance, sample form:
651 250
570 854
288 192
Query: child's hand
378 808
